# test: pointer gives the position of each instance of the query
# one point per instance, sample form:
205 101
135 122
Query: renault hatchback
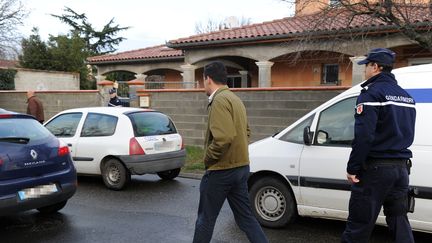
117 142
36 170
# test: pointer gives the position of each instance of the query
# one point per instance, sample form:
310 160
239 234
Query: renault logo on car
33 154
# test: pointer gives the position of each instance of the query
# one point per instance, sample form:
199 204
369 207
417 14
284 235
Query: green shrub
7 79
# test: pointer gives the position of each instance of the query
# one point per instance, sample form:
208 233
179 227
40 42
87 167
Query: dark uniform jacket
35 108
384 122
227 135
114 102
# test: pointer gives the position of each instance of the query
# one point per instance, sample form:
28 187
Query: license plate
163 145
38 191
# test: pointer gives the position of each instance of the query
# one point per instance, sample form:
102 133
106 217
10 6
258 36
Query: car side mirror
322 137
307 135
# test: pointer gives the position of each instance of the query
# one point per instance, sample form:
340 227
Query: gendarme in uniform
377 167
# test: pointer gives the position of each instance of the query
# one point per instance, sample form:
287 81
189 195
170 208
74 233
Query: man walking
226 160
379 161
35 107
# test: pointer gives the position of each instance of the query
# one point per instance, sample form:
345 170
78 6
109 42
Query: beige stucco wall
53 101
29 79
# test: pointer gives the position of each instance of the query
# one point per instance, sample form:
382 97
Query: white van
296 174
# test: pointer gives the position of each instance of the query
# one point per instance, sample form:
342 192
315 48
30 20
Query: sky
151 22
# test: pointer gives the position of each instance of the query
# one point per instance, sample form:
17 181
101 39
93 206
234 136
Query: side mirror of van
322 137
307 135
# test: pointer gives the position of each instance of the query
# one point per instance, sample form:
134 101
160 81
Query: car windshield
151 123
21 130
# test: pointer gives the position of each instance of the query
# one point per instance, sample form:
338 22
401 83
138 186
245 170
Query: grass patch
194 160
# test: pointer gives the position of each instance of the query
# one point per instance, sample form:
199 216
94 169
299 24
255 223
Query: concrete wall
29 79
53 102
269 110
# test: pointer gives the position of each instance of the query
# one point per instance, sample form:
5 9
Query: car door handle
69 145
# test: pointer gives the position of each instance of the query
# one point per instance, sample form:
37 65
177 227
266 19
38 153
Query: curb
196 176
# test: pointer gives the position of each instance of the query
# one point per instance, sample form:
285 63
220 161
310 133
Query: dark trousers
380 185
215 187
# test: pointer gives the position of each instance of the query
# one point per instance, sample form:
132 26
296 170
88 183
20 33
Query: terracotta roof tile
160 51
335 21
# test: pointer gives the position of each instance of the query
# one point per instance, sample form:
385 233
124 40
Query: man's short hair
217 72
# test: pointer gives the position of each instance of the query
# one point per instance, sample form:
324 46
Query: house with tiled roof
310 49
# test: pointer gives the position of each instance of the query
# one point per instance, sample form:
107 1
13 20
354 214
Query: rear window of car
151 123
99 125
23 128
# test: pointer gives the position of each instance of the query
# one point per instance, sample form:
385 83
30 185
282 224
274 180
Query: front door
323 164
66 128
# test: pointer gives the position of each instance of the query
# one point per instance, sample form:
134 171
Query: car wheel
169 174
52 208
115 175
272 202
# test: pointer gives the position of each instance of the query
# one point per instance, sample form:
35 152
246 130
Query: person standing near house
114 100
378 167
35 107
226 160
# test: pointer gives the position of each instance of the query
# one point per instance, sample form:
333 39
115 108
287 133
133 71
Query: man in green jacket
226 160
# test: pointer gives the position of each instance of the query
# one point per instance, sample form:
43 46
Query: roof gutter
137 60
293 36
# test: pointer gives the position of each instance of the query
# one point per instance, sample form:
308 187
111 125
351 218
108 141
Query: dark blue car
36 170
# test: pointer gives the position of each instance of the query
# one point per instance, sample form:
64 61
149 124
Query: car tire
115 175
169 174
272 202
52 208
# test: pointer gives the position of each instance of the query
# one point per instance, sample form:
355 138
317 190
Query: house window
234 81
330 74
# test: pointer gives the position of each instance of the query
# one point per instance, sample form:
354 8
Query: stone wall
30 79
269 110
53 101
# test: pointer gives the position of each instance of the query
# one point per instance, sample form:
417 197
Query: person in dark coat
379 163
35 107
114 100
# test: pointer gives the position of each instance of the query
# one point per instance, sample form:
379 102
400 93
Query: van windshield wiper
21 140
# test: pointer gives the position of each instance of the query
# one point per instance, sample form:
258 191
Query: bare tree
216 25
411 18
12 14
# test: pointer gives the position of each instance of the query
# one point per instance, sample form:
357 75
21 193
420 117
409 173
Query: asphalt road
152 210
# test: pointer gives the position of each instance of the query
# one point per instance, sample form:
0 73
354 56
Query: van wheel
169 174
52 208
115 175
272 202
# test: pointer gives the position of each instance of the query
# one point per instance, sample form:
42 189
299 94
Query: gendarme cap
379 55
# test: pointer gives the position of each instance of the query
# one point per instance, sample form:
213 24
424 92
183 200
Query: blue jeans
215 187
380 185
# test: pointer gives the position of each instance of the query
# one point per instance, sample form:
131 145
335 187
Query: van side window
336 124
295 135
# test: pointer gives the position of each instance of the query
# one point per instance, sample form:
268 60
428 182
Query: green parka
227 135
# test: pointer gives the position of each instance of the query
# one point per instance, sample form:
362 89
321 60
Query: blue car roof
10 114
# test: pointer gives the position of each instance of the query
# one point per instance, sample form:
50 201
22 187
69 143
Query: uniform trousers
380 185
